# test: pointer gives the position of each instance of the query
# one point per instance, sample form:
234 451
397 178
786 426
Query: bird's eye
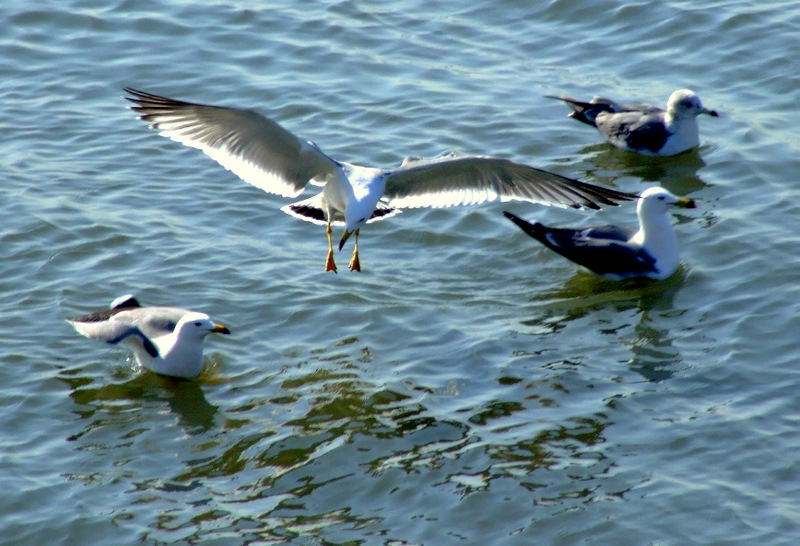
660 197
198 323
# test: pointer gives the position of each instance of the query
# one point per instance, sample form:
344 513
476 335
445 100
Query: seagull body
618 253
644 128
166 340
266 155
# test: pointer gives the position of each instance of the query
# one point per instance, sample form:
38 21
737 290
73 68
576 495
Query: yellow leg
330 265
355 265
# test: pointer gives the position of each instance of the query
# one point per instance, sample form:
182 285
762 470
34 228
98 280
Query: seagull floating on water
266 155
618 253
166 340
644 128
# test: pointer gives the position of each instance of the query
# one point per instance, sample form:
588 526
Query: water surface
469 386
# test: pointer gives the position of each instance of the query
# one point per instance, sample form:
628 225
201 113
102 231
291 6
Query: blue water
469 387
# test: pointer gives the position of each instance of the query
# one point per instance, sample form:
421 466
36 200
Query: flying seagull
618 253
644 128
166 340
266 155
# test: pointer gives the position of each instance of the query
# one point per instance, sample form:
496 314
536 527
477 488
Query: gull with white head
618 253
166 340
266 155
644 128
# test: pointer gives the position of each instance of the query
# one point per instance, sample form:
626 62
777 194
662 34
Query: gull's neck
676 120
657 236
685 133
179 356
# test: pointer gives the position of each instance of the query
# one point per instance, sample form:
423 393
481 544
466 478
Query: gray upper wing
602 249
153 322
613 258
639 131
607 232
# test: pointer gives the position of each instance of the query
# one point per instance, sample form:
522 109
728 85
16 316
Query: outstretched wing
255 148
451 181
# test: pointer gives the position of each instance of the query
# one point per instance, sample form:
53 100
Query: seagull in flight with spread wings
266 155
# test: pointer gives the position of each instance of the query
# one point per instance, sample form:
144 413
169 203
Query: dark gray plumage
644 128
615 252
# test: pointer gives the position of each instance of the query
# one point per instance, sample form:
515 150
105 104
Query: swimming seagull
266 155
166 340
617 253
644 128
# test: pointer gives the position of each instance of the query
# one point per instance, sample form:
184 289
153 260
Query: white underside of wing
455 198
249 171
441 199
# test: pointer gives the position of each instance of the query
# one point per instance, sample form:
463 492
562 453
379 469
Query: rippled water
470 386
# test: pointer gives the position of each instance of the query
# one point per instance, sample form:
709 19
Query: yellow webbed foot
355 265
330 265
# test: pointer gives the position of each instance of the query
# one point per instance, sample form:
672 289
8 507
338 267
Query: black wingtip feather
532 229
315 213
149 347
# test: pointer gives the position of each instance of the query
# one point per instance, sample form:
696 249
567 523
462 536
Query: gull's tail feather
313 210
586 112
122 303
535 230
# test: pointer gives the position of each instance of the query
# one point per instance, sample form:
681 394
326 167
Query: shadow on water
331 448
676 173
584 295
184 398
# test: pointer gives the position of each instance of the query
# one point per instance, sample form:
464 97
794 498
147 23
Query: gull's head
350 228
198 325
656 201
683 103
345 236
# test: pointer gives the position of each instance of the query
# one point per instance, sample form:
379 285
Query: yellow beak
345 237
220 329
686 203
